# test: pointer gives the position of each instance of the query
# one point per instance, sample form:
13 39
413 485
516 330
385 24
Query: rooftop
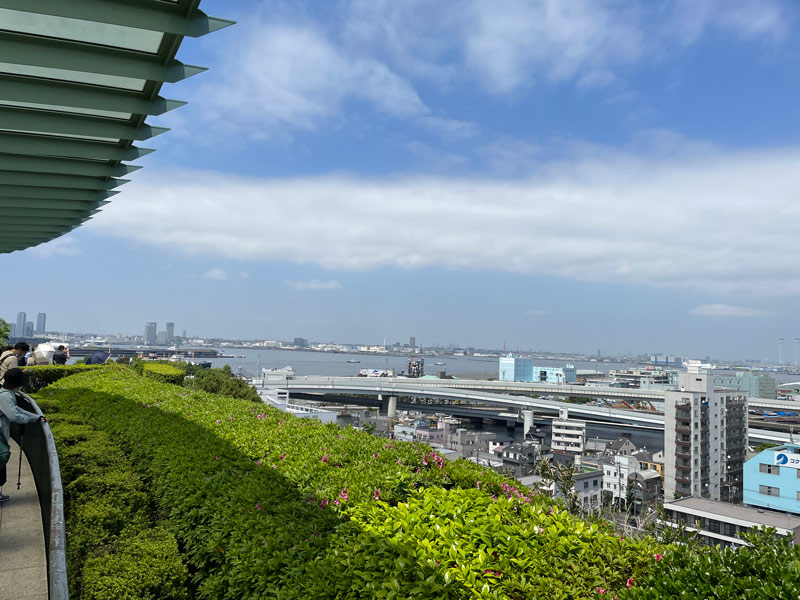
756 516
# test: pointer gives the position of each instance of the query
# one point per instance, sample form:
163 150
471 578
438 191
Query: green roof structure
78 79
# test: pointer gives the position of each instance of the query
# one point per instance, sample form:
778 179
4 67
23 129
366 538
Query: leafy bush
220 381
769 569
112 550
264 504
43 375
164 373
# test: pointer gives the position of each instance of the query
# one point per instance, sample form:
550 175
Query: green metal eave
78 79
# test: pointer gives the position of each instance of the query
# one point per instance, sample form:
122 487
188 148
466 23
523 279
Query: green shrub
43 375
108 519
265 505
164 373
769 569
147 567
220 381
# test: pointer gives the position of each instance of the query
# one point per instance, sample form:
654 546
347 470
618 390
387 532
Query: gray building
21 320
755 385
41 323
720 523
705 440
150 333
300 342
170 332
29 329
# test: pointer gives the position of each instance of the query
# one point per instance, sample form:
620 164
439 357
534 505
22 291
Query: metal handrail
40 449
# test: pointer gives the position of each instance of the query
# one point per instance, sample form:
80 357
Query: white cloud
723 222
450 128
314 285
62 246
293 77
216 275
726 310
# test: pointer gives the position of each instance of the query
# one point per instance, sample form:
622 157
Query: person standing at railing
10 359
11 413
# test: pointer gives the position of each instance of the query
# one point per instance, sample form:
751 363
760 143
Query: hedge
115 549
164 373
42 376
264 504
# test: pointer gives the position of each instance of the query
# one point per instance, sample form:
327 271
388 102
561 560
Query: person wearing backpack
11 413
10 359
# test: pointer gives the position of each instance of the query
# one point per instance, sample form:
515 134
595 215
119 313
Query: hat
14 378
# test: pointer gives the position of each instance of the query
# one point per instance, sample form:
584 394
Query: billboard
788 460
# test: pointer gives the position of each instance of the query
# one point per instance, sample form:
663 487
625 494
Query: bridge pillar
527 421
392 408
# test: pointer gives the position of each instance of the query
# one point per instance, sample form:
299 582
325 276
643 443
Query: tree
5 330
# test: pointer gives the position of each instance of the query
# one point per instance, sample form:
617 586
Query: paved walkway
23 563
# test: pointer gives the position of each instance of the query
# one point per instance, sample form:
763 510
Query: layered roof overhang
78 79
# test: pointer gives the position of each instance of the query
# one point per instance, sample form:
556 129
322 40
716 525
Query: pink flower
325 458
336 502
258 507
478 484
343 495
283 455
658 557
601 591
629 582
218 421
259 417
374 455
324 503
258 463
399 462
217 457
377 494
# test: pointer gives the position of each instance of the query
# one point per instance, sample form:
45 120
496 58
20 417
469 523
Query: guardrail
36 441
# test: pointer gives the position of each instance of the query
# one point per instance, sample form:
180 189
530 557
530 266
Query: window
770 469
768 490
585 485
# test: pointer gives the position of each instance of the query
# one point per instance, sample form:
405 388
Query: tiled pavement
23 565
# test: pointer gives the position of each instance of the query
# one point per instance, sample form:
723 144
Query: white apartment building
616 470
705 439
569 435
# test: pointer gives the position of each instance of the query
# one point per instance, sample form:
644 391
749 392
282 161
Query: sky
548 175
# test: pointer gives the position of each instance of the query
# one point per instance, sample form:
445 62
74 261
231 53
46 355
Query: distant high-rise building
150 333
412 341
184 334
29 329
301 342
41 319
12 329
705 439
21 319
416 366
161 338
170 332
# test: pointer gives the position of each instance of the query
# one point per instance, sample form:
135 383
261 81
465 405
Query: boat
440 363
354 361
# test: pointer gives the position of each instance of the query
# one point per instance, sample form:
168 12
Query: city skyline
786 357
474 175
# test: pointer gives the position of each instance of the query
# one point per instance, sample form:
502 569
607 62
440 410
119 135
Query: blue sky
549 175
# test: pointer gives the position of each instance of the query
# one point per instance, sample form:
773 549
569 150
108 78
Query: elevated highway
509 395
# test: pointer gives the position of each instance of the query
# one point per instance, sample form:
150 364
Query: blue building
772 479
513 368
